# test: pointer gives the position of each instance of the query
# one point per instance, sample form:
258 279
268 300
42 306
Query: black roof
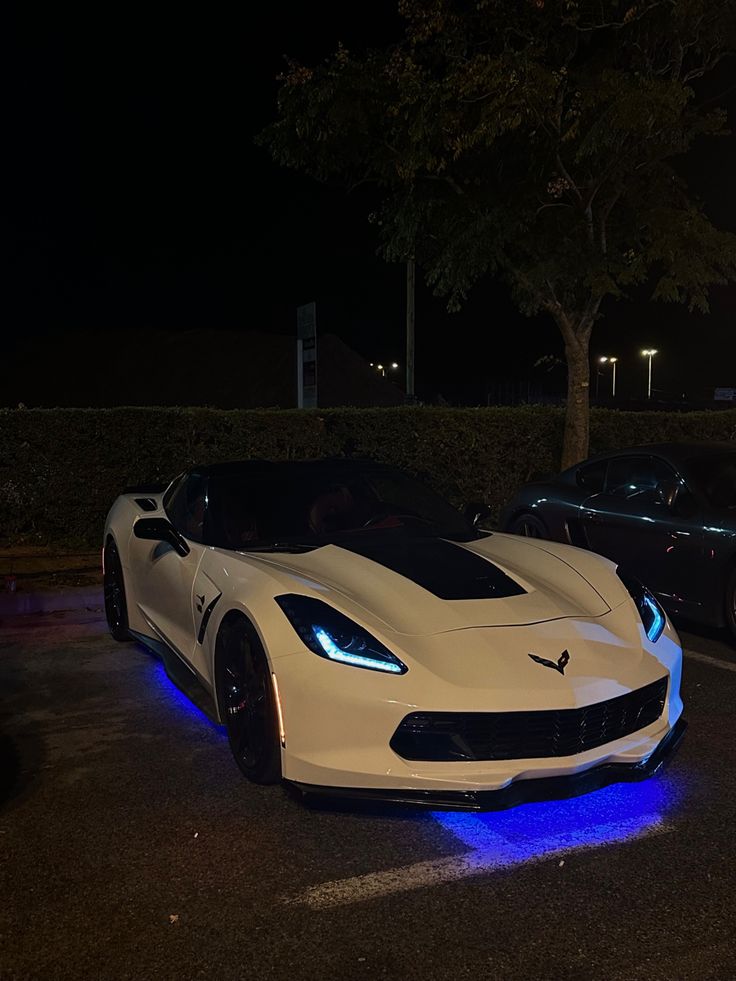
337 465
675 452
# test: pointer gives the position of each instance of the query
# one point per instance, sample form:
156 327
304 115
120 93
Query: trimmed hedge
60 469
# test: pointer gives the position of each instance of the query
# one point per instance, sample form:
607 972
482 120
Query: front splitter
519 792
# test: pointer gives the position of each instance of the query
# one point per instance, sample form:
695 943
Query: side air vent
146 504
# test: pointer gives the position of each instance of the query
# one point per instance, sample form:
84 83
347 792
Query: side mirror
161 530
667 493
475 512
677 498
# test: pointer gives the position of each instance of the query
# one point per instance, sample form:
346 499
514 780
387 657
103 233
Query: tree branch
557 204
553 306
618 24
443 180
716 98
565 173
708 65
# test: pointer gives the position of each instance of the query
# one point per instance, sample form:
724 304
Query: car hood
424 586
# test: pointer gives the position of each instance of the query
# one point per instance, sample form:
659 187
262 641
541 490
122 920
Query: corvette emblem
559 665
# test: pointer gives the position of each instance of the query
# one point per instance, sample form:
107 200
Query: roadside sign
725 395
306 356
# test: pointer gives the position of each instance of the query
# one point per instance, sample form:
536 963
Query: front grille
527 735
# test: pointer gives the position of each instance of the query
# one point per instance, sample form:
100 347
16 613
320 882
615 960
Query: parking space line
342 892
488 851
715 662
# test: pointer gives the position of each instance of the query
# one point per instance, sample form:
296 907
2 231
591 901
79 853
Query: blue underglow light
336 653
180 699
532 832
655 628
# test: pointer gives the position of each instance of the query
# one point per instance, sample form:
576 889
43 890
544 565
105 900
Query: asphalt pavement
131 848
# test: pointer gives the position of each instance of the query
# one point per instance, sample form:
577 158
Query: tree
532 141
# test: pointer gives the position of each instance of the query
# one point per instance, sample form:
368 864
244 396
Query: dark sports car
666 512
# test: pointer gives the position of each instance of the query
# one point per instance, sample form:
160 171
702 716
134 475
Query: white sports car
357 636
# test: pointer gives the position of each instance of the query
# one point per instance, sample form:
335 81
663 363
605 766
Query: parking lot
130 847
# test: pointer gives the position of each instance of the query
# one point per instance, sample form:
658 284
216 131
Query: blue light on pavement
183 703
530 832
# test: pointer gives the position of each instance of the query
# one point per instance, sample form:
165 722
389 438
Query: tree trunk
577 414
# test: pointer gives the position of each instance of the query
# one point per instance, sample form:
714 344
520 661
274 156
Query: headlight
332 635
651 613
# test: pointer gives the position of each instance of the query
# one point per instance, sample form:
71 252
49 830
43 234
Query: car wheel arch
233 616
727 575
266 766
115 591
527 511
122 550
109 540
515 515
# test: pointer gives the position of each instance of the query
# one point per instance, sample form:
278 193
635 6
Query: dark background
137 200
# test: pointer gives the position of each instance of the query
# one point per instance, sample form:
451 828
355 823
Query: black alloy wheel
116 607
529 526
247 702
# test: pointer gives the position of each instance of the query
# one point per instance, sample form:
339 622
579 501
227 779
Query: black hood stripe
443 568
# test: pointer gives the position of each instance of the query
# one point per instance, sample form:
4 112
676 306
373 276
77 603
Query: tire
116 607
247 703
528 525
730 605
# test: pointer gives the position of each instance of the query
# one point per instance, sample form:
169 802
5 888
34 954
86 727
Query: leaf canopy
533 140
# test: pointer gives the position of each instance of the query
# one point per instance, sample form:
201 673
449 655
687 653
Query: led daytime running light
655 628
651 613
332 635
336 653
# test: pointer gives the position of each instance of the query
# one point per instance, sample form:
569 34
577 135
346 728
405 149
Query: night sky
137 199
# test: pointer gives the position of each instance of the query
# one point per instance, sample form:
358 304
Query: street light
649 353
611 361
383 368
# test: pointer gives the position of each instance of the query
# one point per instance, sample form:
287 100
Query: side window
592 477
172 490
232 512
638 478
187 507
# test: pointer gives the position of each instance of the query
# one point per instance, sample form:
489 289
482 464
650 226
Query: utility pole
410 292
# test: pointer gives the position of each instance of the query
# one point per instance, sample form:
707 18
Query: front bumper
339 721
519 792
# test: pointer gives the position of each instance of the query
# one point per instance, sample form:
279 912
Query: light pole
649 353
611 361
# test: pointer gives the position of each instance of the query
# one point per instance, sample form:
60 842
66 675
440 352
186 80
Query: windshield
715 478
315 508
